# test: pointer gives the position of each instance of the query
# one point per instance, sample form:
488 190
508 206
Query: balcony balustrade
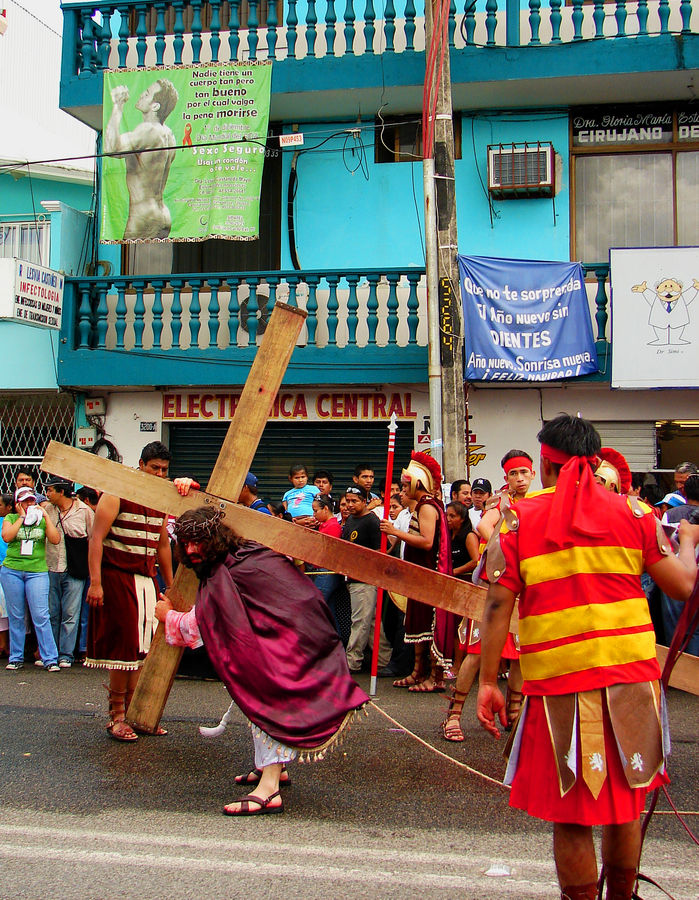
368 325
362 326
133 33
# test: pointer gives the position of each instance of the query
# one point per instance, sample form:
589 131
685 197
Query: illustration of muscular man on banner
148 152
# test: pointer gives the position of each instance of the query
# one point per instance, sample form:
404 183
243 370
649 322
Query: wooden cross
224 487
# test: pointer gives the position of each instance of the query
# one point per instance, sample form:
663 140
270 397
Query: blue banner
525 320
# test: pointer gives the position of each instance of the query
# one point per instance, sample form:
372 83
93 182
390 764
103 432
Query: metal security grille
337 446
635 440
28 422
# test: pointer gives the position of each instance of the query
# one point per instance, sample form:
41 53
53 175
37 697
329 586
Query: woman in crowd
343 511
464 541
24 578
6 506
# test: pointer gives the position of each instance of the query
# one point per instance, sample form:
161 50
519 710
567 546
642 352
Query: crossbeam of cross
224 487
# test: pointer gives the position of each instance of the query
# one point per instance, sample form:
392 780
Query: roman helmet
613 472
422 470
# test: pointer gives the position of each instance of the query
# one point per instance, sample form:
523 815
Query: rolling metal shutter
636 440
337 446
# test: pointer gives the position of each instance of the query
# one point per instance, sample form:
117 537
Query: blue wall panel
522 228
374 217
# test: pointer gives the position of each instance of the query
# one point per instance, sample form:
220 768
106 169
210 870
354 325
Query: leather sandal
451 728
513 707
117 726
250 779
422 688
409 681
263 807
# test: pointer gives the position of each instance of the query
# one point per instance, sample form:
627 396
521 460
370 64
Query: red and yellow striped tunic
584 619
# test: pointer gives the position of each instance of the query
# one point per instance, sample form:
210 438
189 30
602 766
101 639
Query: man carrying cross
223 488
273 643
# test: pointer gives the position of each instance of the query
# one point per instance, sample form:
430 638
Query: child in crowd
298 501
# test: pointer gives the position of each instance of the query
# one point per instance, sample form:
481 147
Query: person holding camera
24 577
67 564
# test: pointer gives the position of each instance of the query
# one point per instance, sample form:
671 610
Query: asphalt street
383 816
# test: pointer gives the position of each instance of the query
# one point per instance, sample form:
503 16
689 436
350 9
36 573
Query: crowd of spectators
43 551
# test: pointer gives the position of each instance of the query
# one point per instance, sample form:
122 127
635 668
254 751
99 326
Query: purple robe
272 640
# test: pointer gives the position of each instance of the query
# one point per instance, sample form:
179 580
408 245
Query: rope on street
446 756
658 812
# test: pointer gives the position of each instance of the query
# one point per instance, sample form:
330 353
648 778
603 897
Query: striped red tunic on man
132 542
584 621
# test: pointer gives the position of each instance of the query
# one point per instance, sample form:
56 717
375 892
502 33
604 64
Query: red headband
577 495
518 462
560 457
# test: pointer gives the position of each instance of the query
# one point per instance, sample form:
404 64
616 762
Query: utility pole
445 315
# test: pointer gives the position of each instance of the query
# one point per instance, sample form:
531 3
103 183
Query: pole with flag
392 428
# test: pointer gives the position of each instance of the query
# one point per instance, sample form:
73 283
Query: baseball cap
24 493
250 480
482 484
58 481
672 499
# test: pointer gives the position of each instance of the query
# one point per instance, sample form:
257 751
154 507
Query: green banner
190 147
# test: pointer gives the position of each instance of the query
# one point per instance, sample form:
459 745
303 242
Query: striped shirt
584 621
132 542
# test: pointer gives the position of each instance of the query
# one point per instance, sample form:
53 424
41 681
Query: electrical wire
36 18
357 148
279 150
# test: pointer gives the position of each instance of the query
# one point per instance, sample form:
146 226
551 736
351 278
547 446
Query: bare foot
428 687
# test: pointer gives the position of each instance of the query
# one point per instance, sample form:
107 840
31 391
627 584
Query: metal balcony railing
134 33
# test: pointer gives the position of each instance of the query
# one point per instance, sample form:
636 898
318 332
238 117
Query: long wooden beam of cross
226 481
224 487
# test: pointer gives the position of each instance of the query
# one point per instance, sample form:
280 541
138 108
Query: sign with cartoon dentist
655 319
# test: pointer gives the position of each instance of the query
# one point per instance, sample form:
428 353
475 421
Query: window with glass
26 240
636 179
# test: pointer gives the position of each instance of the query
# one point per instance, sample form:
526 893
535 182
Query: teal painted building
601 93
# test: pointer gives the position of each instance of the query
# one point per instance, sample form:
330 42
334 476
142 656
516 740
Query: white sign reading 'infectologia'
30 294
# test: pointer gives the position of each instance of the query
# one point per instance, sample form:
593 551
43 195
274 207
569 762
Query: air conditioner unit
521 170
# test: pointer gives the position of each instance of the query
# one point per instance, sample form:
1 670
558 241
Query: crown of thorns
188 528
